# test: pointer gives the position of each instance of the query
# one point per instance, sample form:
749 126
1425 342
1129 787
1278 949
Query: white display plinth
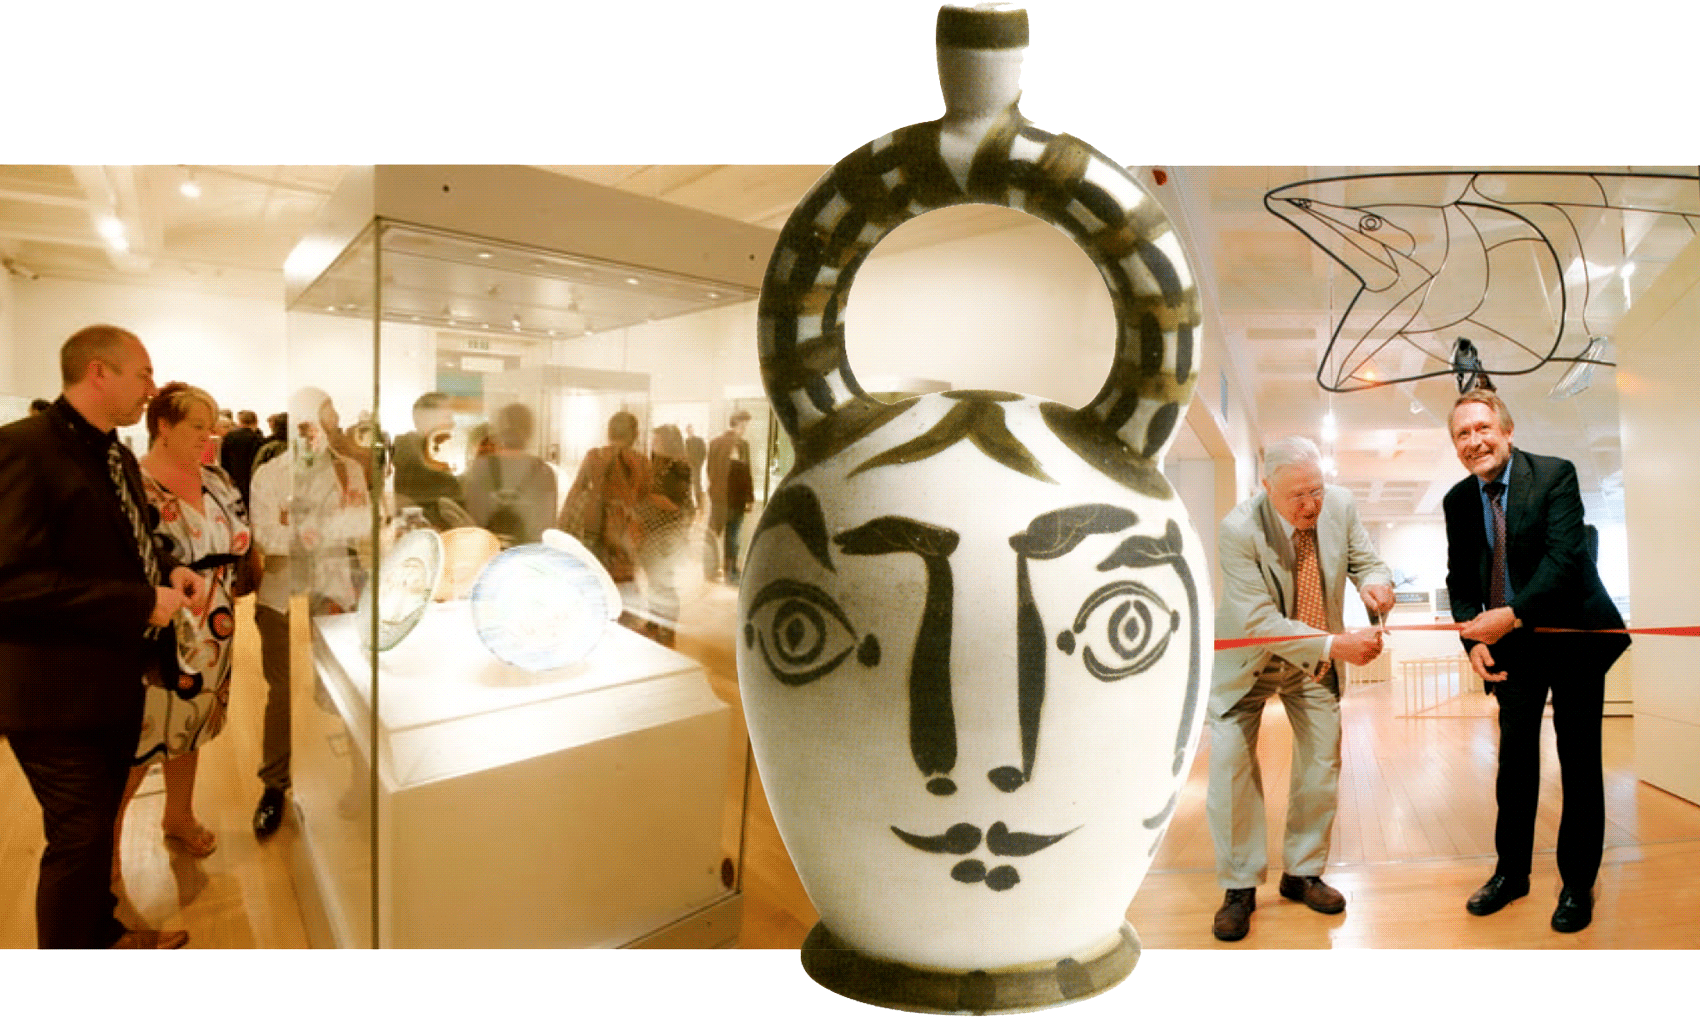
581 807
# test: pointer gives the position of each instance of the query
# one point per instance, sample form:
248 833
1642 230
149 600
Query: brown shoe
1233 919
1313 893
152 939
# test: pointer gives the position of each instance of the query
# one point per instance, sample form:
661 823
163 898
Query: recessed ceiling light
484 255
633 281
112 229
713 294
190 189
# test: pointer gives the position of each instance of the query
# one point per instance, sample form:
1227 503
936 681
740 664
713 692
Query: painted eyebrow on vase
1146 550
932 717
798 508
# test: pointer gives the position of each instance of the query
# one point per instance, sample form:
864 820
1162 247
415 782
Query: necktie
1308 574
138 521
1496 571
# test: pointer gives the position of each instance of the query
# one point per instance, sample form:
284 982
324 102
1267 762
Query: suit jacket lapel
1520 501
1277 556
99 478
1330 553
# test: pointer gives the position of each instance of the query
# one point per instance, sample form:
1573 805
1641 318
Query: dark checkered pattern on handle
1054 177
138 520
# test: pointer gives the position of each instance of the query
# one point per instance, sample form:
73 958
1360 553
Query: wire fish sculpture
1517 260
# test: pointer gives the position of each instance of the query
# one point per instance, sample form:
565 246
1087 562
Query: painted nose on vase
1006 778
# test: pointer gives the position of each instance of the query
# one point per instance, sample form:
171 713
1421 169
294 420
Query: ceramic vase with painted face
974 624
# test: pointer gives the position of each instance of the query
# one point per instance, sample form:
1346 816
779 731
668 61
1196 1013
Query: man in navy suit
84 593
1517 559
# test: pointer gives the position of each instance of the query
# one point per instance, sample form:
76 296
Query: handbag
583 515
249 570
605 526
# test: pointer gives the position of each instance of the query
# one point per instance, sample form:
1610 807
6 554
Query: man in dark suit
696 452
236 450
726 509
1517 559
84 592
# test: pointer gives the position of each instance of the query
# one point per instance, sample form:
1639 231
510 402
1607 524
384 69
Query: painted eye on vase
800 631
1124 627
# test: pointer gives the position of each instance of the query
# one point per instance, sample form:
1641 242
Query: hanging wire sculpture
1508 266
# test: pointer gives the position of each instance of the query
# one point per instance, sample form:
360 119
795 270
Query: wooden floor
1413 838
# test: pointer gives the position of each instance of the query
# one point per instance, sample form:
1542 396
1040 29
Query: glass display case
500 737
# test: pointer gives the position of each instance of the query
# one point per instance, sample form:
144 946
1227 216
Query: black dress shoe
1313 893
1575 911
269 815
1495 894
1233 919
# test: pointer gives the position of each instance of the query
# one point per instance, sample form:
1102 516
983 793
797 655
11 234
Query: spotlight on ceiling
1581 372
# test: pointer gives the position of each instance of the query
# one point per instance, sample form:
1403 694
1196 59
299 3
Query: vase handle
982 151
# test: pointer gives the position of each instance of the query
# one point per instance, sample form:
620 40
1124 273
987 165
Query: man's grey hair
1287 452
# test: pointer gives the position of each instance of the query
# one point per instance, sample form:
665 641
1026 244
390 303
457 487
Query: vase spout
979 55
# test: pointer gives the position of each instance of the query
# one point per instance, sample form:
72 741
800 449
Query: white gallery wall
688 358
1658 390
1020 309
8 343
230 344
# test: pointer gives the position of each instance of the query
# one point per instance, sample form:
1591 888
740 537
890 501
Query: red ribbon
1684 631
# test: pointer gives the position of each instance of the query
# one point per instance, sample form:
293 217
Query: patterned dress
190 709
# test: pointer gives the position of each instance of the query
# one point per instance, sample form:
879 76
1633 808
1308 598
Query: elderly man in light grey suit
1285 554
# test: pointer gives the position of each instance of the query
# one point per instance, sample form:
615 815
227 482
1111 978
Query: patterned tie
1309 577
1496 571
138 521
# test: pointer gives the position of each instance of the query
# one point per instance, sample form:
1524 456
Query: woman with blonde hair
203 519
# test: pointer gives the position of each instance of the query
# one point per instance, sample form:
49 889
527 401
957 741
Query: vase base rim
884 983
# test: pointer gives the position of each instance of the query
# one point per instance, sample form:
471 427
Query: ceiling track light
19 270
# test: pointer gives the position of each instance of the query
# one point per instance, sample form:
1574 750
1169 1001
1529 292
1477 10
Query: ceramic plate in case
465 552
538 608
557 539
406 578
